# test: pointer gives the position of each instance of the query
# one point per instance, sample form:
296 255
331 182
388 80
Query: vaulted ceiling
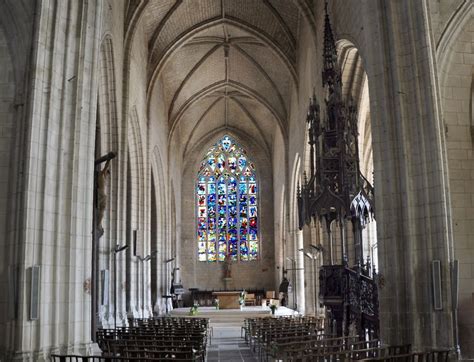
222 64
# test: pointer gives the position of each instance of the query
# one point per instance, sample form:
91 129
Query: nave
282 337
315 155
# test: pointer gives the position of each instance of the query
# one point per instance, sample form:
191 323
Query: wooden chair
270 294
250 299
162 339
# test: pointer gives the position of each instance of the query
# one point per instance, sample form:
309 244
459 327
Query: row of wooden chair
302 339
351 352
436 355
262 333
324 346
150 358
359 351
166 323
379 354
178 339
251 325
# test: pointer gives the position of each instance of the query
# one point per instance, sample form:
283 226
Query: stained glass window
227 204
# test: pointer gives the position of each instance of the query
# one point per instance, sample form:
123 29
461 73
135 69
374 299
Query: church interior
303 165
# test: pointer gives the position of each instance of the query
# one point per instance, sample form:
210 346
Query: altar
228 300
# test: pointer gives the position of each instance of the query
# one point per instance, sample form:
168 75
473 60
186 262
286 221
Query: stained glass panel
227 197
202 251
232 162
242 162
211 221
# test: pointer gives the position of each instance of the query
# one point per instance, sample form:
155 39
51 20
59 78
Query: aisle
227 345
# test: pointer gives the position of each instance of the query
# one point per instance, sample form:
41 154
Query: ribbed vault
222 64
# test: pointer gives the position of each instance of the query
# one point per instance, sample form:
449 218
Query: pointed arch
236 133
459 20
216 86
227 204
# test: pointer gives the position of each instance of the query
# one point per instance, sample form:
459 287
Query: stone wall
456 62
245 275
56 210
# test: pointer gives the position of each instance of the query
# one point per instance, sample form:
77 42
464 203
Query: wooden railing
350 297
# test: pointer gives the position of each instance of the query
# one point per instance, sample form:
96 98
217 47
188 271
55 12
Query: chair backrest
270 294
249 296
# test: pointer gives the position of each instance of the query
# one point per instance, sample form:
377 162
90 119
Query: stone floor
227 345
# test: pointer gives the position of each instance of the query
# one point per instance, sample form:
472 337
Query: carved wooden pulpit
337 194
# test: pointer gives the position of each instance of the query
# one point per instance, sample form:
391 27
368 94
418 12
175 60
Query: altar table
228 300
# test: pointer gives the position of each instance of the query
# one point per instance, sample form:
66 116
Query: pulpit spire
336 193
334 189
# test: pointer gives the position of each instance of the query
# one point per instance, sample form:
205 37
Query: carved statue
101 195
227 266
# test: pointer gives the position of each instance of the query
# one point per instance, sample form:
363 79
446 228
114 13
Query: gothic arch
355 85
242 137
175 120
15 21
455 75
460 19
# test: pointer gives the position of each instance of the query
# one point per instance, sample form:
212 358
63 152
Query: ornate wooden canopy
337 191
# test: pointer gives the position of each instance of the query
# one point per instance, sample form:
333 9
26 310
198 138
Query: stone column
299 256
410 174
58 180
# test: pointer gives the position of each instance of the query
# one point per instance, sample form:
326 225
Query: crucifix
99 202
227 276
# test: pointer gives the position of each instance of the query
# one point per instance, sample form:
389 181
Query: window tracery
227 204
